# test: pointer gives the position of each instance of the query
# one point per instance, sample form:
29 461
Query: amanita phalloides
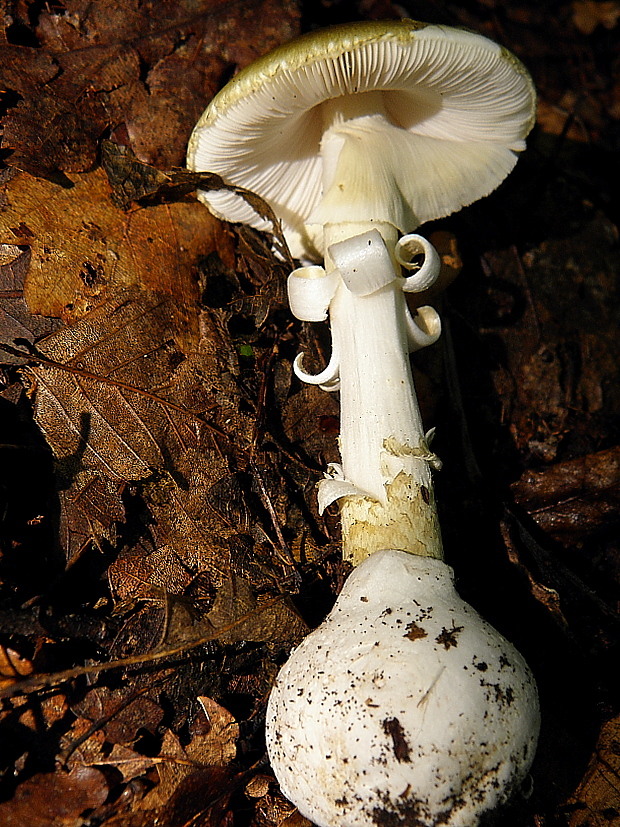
404 706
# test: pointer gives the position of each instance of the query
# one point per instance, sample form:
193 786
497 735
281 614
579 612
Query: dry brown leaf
188 536
215 735
588 14
109 400
596 803
96 752
553 119
215 746
16 322
46 133
571 500
150 574
128 762
576 116
12 667
90 512
121 712
74 237
58 798
273 810
311 420
83 247
36 714
146 74
295 819
279 623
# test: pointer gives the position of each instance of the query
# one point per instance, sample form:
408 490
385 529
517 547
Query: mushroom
404 706
373 126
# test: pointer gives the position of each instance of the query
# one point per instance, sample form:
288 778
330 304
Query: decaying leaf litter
159 462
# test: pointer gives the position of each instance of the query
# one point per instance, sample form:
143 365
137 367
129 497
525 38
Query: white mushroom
404 707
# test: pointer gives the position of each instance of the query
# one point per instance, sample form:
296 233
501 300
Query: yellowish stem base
408 522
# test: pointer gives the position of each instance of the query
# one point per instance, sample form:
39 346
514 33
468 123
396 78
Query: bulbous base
403 707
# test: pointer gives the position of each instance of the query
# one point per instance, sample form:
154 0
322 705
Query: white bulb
403 707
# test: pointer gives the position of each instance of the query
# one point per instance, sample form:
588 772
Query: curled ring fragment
421 451
328 378
423 329
363 262
310 291
334 486
407 248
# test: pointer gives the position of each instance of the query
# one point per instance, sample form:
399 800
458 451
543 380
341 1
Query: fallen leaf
12 667
91 510
82 247
74 238
273 810
554 118
16 322
215 738
268 623
571 500
128 762
58 798
109 399
311 420
588 14
103 66
596 802
187 538
215 746
202 798
121 712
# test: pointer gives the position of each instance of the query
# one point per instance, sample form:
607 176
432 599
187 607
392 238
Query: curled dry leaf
133 181
60 798
572 500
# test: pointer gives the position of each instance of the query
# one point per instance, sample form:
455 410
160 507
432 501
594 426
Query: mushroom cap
457 108
403 707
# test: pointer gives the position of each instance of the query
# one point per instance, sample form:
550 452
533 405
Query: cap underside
457 108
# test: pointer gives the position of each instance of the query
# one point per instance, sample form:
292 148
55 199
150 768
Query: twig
36 682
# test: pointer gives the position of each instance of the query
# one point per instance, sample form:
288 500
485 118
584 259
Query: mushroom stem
384 483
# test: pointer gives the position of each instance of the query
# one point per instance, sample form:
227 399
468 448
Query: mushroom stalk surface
385 479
